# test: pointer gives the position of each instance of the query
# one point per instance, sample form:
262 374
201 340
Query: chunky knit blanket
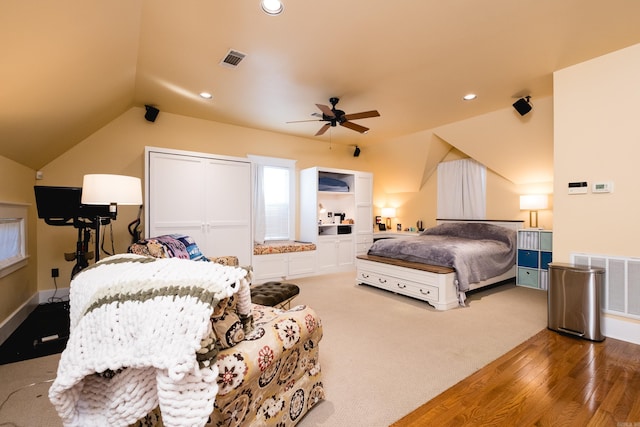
140 337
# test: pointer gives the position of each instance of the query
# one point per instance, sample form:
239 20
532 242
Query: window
276 202
274 199
13 237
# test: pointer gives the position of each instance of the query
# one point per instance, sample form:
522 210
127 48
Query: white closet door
176 196
228 209
205 197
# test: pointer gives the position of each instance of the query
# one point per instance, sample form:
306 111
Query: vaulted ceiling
68 68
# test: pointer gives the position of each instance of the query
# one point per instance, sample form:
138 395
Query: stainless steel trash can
574 300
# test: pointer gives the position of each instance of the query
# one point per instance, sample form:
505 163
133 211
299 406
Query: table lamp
389 213
532 203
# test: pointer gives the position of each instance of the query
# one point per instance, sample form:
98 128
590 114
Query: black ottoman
274 294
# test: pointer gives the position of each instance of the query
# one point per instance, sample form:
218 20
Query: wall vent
621 290
233 58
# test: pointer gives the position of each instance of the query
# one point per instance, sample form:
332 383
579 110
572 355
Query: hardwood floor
549 380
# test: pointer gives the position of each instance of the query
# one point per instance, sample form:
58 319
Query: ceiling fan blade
323 129
325 110
363 115
301 121
354 126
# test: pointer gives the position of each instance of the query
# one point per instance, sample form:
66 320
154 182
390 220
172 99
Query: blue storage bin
527 258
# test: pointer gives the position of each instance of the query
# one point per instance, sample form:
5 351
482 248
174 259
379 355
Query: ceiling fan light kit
335 117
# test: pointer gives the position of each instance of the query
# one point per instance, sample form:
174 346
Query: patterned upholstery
269 372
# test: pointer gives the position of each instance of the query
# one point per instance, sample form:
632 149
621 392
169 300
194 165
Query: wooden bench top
408 264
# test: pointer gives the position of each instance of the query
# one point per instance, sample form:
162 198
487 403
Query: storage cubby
534 255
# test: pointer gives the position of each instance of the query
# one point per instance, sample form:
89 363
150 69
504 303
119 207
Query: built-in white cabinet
283 266
335 253
202 195
336 214
364 212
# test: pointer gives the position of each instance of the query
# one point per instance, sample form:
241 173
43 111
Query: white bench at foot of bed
430 283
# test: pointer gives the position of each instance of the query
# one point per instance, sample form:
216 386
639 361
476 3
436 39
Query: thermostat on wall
580 187
602 187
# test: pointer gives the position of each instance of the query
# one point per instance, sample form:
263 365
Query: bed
460 256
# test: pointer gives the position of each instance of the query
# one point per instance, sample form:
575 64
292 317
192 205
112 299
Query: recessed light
470 97
206 95
272 7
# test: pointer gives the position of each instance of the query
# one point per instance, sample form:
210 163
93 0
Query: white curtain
259 221
462 189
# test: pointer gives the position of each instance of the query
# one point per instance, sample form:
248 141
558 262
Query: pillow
473 230
169 246
226 323
190 246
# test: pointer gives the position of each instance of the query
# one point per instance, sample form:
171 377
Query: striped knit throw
141 337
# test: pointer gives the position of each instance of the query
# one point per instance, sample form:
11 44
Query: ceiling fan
335 117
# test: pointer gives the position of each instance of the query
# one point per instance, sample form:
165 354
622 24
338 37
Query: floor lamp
110 190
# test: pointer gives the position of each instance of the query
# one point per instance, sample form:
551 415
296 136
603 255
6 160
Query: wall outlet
55 272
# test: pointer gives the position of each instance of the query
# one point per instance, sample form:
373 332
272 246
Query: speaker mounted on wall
522 105
356 152
151 114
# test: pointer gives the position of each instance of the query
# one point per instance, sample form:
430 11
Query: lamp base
533 219
388 223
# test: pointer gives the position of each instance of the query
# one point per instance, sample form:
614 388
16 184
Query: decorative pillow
190 246
226 323
169 246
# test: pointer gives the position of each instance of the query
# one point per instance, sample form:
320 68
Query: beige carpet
382 354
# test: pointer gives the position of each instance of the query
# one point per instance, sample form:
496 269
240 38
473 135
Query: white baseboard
621 329
15 319
58 294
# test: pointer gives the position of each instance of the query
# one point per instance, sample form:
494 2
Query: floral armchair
268 364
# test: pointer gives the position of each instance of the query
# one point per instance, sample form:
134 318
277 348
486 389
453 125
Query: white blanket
140 336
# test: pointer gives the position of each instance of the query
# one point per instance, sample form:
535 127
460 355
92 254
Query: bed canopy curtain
462 189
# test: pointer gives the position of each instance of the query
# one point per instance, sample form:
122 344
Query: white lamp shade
389 212
534 202
103 189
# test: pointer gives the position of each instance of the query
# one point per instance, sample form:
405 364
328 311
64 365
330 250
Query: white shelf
336 249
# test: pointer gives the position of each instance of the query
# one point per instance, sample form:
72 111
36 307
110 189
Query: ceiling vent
233 58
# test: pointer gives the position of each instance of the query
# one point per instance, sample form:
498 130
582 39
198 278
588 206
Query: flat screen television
62 204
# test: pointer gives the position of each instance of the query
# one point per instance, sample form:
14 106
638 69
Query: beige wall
503 199
597 138
119 148
518 153
16 186
403 175
399 172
